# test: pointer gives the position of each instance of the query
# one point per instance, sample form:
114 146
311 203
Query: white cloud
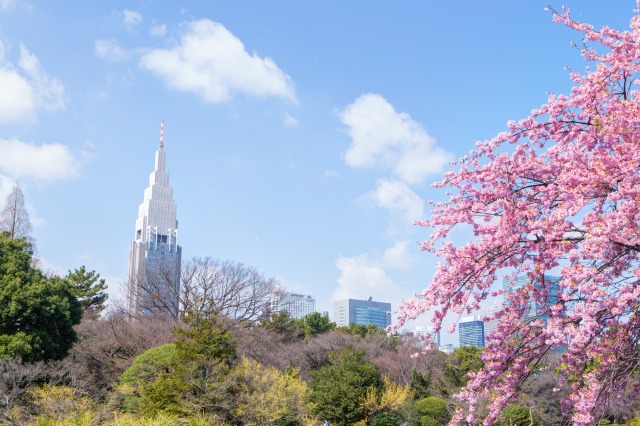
49 91
364 275
110 50
212 63
42 163
17 97
25 89
397 256
131 18
399 199
7 4
289 120
6 186
359 279
158 30
387 139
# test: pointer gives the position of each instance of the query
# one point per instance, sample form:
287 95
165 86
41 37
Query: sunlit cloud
131 18
157 30
386 139
42 163
365 275
397 256
212 63
25 88
289 120
110 50
396 197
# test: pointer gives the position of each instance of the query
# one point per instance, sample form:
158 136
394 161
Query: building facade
534 309
427 333
490 325
361 312
154 255
471 332
298 305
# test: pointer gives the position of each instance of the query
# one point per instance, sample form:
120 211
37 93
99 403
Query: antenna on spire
161 134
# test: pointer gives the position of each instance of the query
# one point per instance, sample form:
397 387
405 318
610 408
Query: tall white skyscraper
154 254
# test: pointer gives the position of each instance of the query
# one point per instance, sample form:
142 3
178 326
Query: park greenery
558 191
65 360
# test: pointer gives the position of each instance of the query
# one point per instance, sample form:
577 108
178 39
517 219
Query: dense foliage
209 370
337 388
37 313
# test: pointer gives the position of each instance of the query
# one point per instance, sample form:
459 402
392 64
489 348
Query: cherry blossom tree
563 199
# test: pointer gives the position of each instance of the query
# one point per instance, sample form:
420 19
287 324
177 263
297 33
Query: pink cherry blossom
566 198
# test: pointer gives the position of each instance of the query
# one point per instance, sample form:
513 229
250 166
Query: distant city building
361 312
426 333
154 254
533 309
447 348
471 332
298 305
490 326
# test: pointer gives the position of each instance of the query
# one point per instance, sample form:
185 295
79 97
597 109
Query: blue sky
301 137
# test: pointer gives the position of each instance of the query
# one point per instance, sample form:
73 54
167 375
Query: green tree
517 415
147 366
90 290
462 361
337 389
37 313
383 419
282 323
315 323
190 376
434 411
419 385
362 330
468 358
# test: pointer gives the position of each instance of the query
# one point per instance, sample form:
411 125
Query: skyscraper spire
154 254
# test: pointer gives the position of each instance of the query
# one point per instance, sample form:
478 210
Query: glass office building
471 332
362 312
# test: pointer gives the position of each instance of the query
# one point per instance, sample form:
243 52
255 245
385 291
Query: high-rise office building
154 254
471 332
533 308
490 325
427 333
361 312
298 305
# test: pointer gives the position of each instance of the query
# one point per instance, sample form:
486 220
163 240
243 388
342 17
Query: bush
146 367
433 410
383 419
517 415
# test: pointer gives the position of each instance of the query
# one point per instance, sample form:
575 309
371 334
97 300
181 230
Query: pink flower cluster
566 198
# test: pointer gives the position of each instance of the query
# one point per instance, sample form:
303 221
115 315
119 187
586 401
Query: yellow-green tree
61 405
389 400
268 396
